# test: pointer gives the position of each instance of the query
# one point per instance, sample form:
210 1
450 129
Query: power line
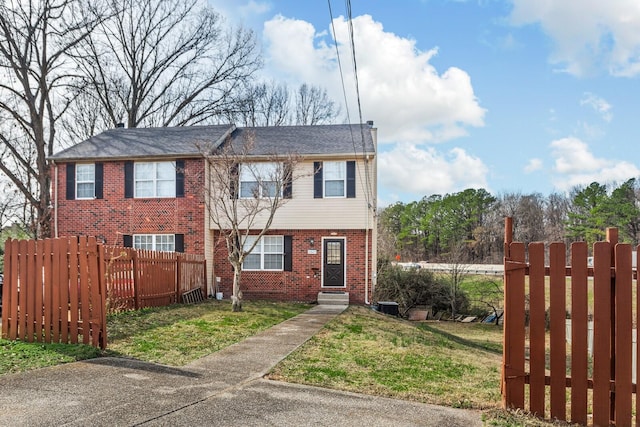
367 180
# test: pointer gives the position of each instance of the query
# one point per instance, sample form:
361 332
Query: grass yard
442 363
174 335
181 334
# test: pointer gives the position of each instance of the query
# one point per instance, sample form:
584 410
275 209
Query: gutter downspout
366 251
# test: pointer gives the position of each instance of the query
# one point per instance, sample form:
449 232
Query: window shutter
71 181
99 180
288 253
128 180
179 242
287 182
179 178
234 180
351 179
317 180
127 240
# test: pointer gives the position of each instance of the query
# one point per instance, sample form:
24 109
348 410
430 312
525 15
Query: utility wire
368 189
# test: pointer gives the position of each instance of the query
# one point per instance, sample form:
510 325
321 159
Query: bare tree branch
237 213
165 63
35 37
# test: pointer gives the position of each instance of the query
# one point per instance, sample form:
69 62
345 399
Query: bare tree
273 104
314 107
243 214
263 104
457 272
35 37
165 63
556 215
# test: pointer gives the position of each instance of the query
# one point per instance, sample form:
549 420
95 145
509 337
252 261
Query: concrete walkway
225 388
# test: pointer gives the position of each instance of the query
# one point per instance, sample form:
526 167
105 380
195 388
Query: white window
335 178
155 242
267 255
155 179
85 181
259 180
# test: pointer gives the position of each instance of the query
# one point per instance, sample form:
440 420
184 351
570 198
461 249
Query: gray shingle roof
189 141
308 140
147 142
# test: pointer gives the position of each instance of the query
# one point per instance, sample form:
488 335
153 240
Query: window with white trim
155 179
335 179
267 255
259 180
85 181
155 242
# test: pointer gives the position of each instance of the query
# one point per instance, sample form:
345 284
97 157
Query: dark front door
334 262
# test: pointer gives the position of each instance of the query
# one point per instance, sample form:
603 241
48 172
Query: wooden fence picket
614 277
579 332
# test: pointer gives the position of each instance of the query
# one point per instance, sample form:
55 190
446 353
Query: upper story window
259 180
155 242
155 179
85 181
335 178
267 255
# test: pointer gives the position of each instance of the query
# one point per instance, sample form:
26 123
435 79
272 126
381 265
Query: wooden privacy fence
140 278
53 292
59 290
595 388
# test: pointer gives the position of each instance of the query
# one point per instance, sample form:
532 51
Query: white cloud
600 105
408 168
588 34
533 165
575 164
246 13
400 90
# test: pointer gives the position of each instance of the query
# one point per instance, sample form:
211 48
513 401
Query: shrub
410 288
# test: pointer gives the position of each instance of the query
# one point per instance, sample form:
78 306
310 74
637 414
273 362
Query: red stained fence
597 388
59 290
139 278
53 292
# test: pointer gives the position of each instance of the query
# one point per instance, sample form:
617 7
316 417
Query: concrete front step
333 298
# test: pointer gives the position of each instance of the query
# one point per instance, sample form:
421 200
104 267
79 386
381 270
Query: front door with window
333 263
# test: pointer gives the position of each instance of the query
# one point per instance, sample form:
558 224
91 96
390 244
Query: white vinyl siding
304 212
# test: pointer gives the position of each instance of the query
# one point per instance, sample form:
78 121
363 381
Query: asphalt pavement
223 389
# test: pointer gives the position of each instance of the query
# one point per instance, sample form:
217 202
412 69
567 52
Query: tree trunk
236 297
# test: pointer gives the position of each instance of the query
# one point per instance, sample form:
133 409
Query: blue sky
507 95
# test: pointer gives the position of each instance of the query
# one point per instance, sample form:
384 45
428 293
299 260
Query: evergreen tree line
468 226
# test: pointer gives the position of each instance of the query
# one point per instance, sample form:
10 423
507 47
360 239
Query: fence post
513 375
136 279
102 280
612 238
178 278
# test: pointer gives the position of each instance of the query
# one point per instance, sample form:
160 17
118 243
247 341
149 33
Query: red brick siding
113 216
300 284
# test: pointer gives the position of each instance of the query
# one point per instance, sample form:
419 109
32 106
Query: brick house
143 187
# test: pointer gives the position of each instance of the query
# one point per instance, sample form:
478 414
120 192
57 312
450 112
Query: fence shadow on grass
461 341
